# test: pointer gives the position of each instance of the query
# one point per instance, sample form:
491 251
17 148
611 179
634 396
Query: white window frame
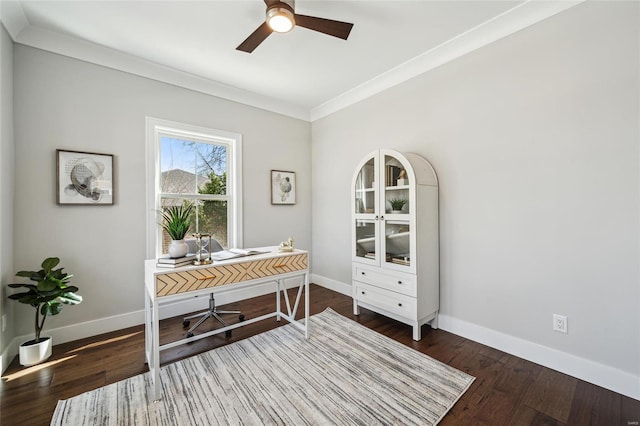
157 128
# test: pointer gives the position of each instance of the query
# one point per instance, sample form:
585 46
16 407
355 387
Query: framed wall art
84 178
283 187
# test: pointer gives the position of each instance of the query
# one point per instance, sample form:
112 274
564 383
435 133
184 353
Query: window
190 164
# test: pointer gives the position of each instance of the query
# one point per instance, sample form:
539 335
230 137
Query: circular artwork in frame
283 187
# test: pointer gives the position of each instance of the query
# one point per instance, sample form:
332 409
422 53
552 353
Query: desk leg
155 352
147 329
306 305
278 299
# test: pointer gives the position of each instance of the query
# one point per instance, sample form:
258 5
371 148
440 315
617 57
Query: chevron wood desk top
169 282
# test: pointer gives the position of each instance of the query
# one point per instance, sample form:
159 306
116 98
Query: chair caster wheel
186 323
189 334
241 317
227 333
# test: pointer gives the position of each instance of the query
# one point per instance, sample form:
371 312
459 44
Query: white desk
166 285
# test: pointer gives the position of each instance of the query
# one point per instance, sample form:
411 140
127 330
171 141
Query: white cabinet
395 249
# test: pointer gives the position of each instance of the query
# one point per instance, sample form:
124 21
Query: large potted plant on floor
50 291
176 221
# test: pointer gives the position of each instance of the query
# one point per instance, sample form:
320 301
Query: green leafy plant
176 220
397 203
50 292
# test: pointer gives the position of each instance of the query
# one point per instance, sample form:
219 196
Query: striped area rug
345 374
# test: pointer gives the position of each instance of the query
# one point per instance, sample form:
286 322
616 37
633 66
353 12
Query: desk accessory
200 245
286 246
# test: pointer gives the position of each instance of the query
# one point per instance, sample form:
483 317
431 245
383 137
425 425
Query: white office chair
212 312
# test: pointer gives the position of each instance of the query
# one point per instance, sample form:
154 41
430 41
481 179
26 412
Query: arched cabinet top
423 172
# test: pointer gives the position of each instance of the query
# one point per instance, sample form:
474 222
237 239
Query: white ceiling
303 73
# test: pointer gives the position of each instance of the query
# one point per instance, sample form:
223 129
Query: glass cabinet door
365 190
366 239
397 243
396 206
382 215
396 186
365 205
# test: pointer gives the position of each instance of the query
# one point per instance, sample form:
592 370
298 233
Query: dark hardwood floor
507 390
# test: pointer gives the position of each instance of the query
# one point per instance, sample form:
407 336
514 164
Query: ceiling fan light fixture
280 19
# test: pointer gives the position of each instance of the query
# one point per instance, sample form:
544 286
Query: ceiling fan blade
256 37
326 26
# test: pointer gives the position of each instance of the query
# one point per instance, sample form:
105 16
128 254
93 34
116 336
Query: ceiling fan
281 18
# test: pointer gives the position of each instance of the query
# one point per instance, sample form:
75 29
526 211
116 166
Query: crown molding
107 57
515 19
22 32
13 18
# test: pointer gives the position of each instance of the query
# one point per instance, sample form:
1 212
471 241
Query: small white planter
34 353
178 248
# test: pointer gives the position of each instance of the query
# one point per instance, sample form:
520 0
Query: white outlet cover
560 323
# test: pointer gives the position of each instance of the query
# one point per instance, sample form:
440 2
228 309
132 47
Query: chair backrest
215 245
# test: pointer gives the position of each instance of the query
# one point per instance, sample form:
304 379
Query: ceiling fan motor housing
281 11
290 3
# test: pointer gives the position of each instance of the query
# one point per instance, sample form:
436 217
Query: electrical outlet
560 323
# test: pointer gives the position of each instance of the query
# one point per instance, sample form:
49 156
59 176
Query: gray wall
6 186
66 103
535 142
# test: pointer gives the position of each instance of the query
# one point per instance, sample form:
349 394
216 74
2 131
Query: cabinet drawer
387 300
398 283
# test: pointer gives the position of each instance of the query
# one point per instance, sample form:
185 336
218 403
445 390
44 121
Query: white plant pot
178 248
35 353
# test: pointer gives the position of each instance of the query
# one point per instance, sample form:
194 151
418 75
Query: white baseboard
599 374
334 285
7 355
590 371
118 322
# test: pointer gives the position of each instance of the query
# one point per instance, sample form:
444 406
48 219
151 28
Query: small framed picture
84 178
283 187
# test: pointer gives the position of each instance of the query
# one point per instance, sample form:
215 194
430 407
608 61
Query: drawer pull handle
399 282
282 265
363 292
210 277
400 304
363 273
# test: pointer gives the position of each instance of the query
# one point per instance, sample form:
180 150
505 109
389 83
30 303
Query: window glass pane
214 184
212 219
211 167
190 167
178 166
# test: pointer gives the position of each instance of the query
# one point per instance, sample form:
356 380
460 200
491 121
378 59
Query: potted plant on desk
47 296
176 221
